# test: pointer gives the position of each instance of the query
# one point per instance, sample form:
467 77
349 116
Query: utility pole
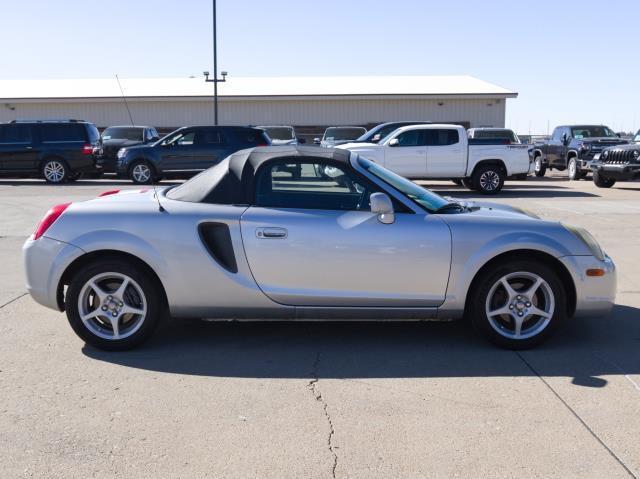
215 80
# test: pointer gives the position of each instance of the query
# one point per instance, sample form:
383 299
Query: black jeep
618 163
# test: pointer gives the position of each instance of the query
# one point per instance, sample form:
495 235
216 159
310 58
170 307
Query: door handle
271 233
29 147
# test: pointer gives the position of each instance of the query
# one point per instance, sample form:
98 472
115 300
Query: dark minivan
56 150
185 152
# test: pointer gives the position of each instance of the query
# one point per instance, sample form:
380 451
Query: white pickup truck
444 152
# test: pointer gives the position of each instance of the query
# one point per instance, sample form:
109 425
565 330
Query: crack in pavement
313 387
13 300
576 415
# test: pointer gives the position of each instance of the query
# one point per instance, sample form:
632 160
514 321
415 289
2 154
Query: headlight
121 153
588 240
585 148
636 154
605 154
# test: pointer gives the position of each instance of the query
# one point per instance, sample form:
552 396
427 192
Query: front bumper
619 171
595 295
45 260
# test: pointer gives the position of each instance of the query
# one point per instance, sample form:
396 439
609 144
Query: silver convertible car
298 233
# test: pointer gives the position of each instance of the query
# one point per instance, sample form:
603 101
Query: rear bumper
45 260
595 296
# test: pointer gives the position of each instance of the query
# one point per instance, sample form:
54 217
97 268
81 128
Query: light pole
215 78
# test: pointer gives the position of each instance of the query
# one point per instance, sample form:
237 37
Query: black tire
539 168
575 173
486 290
142 325
457 181
55 171
136 175
488 179
602 181
467 183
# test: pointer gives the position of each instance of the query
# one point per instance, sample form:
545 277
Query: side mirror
316 141
565 139
394 142
301 141
376 138
382 206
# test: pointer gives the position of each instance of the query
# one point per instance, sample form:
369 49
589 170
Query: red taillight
87 150
52 215
107 193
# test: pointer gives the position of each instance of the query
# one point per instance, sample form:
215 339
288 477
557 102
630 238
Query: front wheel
575 173
538 167
113 305
518 305
488 179
141 173
602 181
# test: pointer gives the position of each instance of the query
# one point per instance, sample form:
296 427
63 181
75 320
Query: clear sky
571 61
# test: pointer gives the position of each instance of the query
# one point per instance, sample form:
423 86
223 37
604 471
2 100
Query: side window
63 132
15 134
411 138
311 185
557 134
443 137
208 137
186 139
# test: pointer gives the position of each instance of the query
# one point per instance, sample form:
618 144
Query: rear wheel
518 305
113 305
141 173
488 179
538 167
602 181
55 171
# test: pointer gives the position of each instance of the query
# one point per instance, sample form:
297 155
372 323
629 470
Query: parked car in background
56 150
185 152
243 240
573 148
617 163
444 151
493 134
282 135
116 137
337 135
378 132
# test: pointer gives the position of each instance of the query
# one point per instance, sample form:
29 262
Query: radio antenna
153 184
125 100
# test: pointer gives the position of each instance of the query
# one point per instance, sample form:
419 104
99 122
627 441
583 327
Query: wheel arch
105 254
490 162
536 255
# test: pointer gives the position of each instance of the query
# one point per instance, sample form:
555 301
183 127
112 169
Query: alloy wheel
141 173
54 171
489 180
112 306
520 305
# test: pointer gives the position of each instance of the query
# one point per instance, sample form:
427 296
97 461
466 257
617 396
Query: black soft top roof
231 181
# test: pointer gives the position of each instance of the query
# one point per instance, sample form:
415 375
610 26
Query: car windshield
279 132
343 133
423 197
580 132
122 133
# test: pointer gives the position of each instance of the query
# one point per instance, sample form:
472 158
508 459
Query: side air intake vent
217 240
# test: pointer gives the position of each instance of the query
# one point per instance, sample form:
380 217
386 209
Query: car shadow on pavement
583 349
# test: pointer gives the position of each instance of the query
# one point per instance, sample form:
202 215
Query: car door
178 154
17 148
446 153
208 147
555 145
406 154
311 240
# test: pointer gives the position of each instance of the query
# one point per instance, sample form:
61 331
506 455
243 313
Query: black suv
116 137
186 151
58 151
618 163
573 148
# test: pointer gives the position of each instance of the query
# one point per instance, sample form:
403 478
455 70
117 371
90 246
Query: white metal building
310 102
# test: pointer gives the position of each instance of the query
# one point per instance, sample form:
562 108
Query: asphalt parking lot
324 399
